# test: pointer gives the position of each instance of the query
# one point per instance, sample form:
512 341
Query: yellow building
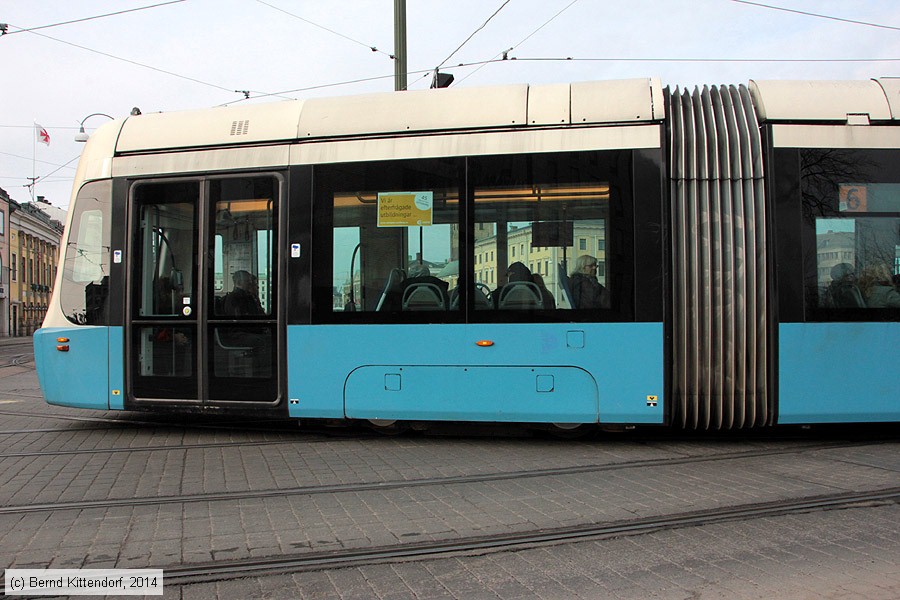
34 238
4 263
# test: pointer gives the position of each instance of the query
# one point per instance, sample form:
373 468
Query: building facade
34 238
4 263
588 237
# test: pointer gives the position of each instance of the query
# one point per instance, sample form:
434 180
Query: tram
614 253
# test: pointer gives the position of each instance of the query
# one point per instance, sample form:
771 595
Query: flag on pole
42 135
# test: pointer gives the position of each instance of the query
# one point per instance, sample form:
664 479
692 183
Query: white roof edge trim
834 136
627 137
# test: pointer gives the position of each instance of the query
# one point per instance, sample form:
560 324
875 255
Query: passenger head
538 280
842 272
419 270
243 279
518 272
586 265
874 275
877 273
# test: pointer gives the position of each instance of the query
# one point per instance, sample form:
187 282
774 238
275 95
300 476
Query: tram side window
395 244
855 216
858 263
543 224
243 238
85 286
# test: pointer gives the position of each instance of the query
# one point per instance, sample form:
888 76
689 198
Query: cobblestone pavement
846 554
198 494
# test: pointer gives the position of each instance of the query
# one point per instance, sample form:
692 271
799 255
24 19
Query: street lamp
81 136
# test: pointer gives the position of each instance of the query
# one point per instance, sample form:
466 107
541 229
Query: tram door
202 325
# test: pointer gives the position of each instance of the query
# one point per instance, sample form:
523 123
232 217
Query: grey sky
212 47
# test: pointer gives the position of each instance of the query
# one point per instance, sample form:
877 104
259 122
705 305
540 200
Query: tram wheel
388 426
571 431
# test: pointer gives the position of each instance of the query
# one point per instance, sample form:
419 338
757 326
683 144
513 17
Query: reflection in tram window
854 208
85 288
395 237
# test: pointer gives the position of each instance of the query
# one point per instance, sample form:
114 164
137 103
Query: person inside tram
843 292
243 300
877 287
587 291
251 342
516 272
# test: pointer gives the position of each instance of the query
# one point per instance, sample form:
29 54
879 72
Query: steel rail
400 484
234 569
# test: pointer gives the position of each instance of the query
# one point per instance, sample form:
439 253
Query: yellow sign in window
405 209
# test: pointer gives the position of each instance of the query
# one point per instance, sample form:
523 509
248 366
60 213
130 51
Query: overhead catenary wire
701 60
133 62
466 41
82 20
817 15
29 158
230 90
370 47
513 59
60 167
504 54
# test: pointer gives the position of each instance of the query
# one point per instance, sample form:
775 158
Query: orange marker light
63 348
62 340
484 343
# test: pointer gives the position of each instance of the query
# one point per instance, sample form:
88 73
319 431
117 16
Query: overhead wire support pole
399 45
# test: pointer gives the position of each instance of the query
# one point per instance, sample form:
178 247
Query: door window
241 329
164 249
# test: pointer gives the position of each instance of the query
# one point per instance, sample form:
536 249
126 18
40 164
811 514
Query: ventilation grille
720 335
240 127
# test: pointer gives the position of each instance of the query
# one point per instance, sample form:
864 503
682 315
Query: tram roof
631 101
412 112
833 101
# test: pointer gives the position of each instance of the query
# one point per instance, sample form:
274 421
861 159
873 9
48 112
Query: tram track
18 360
355 487
180 575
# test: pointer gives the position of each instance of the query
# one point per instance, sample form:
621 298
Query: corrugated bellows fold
721 342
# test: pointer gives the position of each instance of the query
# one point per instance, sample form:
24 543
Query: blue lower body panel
839 372
78 377
548 372
510 394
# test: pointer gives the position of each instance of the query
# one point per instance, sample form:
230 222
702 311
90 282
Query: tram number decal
853 198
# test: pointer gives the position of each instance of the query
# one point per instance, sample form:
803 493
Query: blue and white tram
606 252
